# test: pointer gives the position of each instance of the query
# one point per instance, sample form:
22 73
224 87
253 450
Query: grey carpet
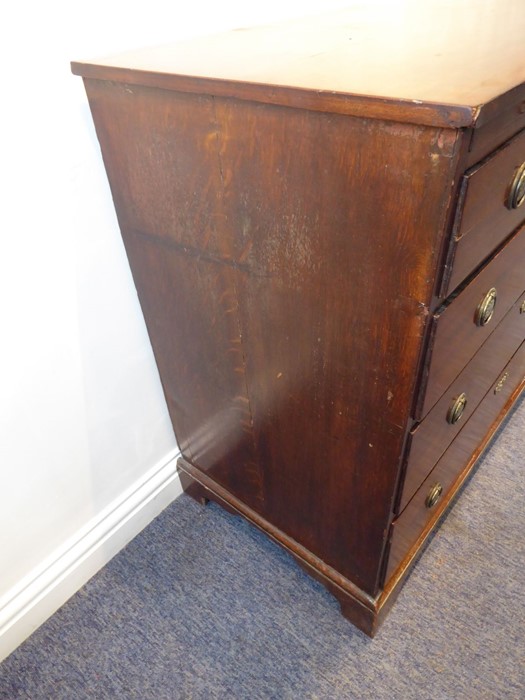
201 605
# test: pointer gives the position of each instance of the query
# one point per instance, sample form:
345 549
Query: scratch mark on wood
197 253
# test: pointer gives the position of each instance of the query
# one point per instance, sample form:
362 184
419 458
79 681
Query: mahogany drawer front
455 335
410 524
487 212
429 439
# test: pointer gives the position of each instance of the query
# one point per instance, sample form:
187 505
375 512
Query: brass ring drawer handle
434 495
517 189
486 307
456 409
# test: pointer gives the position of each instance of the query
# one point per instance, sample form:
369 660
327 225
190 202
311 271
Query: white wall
86 448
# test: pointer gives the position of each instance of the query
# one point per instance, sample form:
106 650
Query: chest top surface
435 53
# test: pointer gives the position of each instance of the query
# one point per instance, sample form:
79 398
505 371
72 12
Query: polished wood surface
413 520
484 219
268 371
429 439
464 55
456 337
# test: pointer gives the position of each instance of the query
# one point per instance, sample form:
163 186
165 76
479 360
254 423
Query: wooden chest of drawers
323 223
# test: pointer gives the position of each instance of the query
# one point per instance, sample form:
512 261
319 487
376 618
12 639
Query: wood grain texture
281 390
415 517
483 219
429 439
455 336
391 53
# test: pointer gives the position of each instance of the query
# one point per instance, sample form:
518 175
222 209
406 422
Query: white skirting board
34 599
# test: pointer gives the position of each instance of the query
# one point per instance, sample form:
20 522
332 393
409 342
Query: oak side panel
332 322
284 260
165 187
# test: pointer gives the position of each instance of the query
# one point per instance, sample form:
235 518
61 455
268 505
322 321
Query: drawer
455 333
429 439
491 206
498 126
412 522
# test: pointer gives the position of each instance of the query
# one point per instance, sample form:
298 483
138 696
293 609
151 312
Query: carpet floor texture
201 605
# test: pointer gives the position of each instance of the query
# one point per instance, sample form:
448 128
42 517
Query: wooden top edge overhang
436 63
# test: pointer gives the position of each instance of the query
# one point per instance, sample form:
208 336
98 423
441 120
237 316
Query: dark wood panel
429 439
161 154
321 348
456 337
286 337
198 349
484 220
414 518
